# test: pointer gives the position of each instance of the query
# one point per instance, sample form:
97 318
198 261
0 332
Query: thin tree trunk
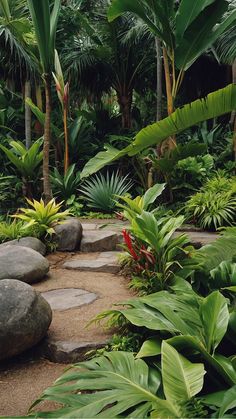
170 103
27 115
125 103
47 192
159 79
66 158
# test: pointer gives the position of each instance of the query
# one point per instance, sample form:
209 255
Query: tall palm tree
45 25
102 58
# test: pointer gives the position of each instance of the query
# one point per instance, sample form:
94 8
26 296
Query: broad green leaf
150 347
228 402
215 104
182 379
223 275
113 384
222 366
215 318
151 194
41 116
187 13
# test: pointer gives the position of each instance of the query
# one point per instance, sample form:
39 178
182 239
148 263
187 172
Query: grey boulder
31 242
25 317
22 263
68 235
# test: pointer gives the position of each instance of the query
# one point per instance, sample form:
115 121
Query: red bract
129 244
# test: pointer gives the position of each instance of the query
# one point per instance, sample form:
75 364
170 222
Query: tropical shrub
10 230
25 161
42 217
100 191
211 210
10 192
155 253
66 185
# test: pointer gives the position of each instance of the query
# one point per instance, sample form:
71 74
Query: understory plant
42 217
215 205
100 191
26 162
180 371
14 229
66 185
155 254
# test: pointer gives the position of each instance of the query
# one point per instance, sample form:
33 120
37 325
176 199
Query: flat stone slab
66 298
106 262
67 352
99 240
199 238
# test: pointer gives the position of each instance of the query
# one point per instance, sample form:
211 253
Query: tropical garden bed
122 113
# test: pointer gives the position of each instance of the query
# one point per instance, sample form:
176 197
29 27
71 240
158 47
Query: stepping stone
199 238
67 352
66 298
106 262
99 241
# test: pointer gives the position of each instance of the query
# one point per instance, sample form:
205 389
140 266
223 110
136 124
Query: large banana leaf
187 30
215 104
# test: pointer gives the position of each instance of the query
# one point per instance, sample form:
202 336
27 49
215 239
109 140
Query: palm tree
16 50
102 58
45 25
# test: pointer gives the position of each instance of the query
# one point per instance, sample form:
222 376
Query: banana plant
215 104
45 25
118 384
186 30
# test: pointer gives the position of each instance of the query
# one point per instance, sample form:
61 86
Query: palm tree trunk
125 104
27 115
159 79
47 192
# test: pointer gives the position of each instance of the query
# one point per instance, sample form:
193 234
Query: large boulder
25 317
31 242
22 263
68 235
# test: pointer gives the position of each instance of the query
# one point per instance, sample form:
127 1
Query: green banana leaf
215 104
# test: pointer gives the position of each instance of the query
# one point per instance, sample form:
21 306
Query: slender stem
159 79
66 158
27 115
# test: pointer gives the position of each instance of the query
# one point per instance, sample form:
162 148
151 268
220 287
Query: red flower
129 244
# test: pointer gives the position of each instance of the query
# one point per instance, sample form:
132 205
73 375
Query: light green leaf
215 317
182 379
150 347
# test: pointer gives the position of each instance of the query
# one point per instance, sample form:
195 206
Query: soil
23 378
